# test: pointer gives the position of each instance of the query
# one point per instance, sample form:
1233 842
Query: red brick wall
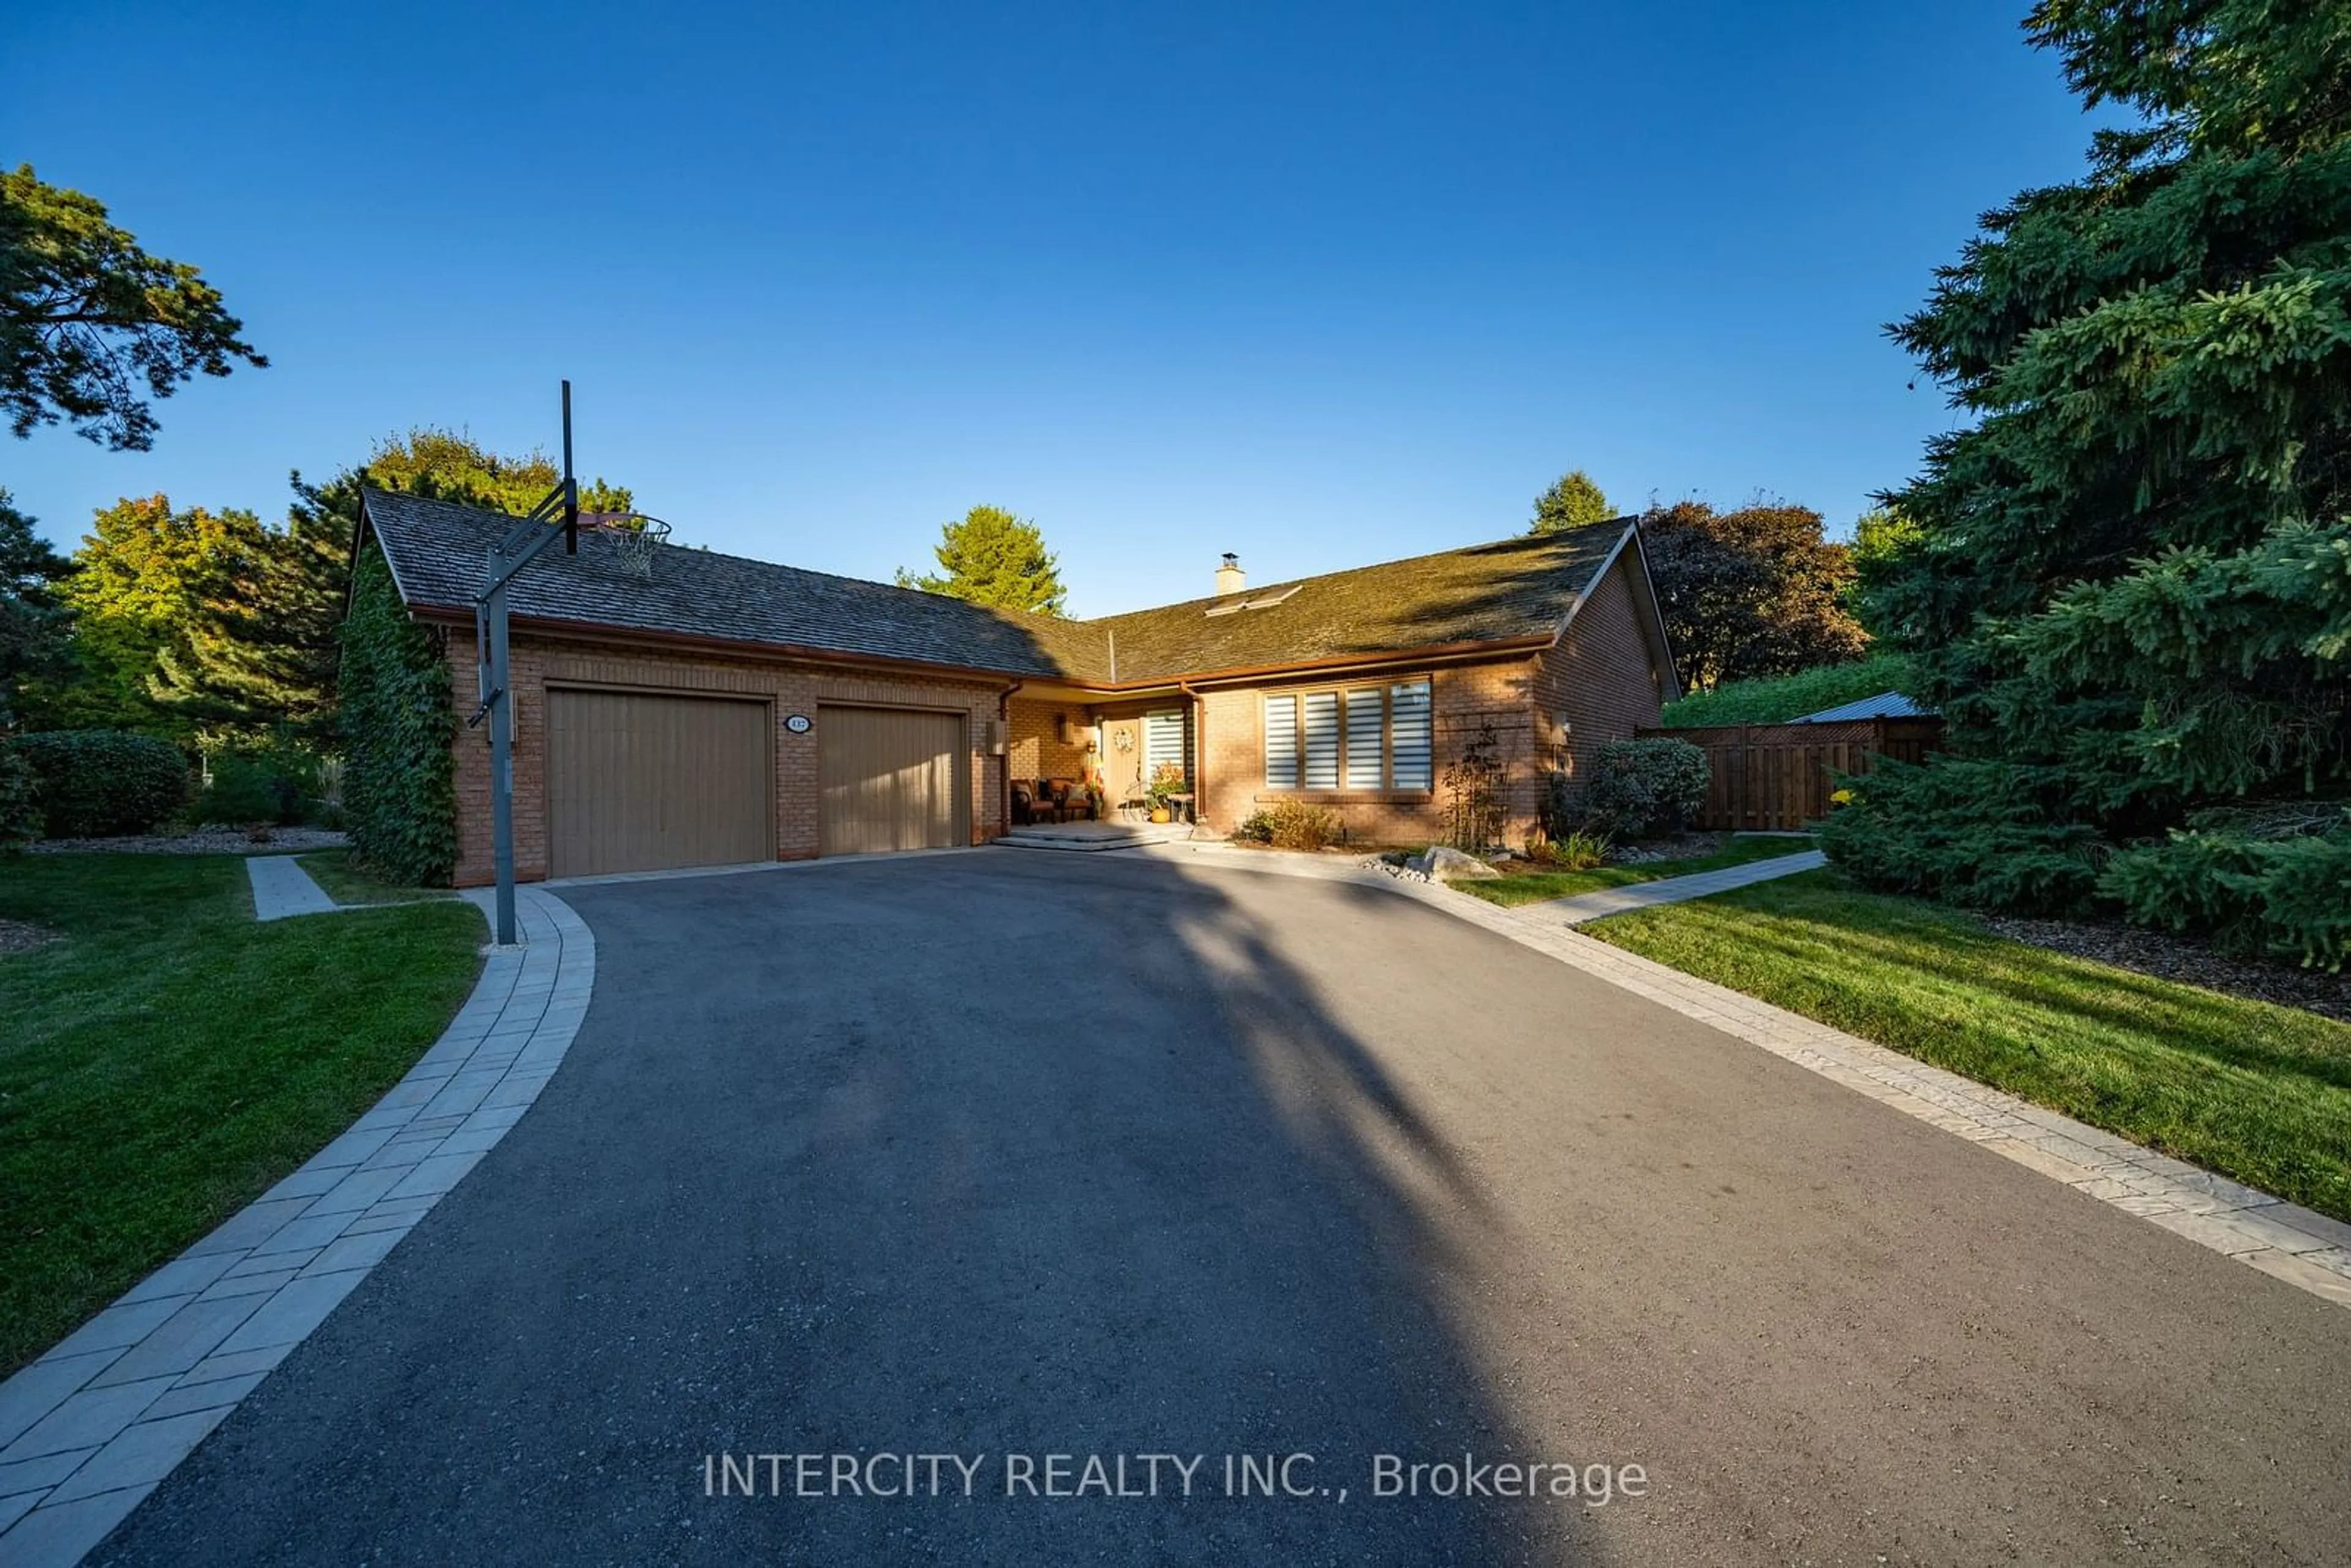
1463 698
1603 677
795 688
1034 748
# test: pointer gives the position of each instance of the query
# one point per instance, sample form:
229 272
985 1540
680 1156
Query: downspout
1199 727
1004 763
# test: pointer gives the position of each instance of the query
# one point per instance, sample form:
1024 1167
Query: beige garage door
639 782
892 779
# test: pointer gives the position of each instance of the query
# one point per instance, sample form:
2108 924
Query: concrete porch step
1087 836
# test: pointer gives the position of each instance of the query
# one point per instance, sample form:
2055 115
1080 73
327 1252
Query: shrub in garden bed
1644 787
2288 897
1980 834
1291 825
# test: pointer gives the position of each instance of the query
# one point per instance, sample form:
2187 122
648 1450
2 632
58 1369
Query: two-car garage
656 780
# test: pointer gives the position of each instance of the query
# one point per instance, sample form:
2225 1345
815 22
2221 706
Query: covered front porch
1082 759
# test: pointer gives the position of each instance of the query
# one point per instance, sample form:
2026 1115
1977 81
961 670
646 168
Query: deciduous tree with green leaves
990 556
262 647
1755 590
139 577
2129 588
91 326
1575 501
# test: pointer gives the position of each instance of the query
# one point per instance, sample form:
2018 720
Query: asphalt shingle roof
1518 588
437 551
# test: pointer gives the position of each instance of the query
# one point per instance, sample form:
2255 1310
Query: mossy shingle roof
1516 589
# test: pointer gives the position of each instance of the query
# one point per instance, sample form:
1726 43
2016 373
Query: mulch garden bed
202 842
2169 958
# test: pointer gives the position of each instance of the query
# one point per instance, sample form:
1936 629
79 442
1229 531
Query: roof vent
1230 578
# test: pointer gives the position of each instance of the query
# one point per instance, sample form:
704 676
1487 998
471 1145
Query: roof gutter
606 631
1242 674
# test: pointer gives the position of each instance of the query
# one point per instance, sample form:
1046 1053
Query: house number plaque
798 724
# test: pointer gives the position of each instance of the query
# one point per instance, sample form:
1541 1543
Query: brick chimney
1230 578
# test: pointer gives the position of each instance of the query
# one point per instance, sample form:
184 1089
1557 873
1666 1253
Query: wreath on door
1123 738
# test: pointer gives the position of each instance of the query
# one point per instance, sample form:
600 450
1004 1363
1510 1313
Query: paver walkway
1580 907
282 888
87 1431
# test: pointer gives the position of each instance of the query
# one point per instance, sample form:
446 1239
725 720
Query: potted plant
1167 783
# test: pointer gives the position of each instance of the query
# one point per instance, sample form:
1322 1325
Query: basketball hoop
635 538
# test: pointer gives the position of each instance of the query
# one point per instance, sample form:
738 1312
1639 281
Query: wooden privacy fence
1765 776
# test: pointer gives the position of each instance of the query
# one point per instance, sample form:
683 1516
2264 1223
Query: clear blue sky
1319 284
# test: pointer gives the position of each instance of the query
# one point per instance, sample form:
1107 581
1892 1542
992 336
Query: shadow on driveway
963 1156
996 1153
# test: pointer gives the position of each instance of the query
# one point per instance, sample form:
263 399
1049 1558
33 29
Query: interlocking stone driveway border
88 1430
2285 1241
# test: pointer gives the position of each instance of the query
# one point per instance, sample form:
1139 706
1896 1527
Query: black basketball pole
520 547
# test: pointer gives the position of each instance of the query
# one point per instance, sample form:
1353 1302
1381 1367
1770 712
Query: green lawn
170 1059
1532 887
346 884
2257 1092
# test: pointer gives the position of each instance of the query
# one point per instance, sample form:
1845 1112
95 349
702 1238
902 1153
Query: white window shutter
1322 740
1409 713
1162 741
1366 736
1281 743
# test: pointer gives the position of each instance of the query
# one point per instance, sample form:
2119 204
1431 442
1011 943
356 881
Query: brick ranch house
721 710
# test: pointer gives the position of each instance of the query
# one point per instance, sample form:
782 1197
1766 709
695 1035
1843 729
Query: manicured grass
2258 1093
1532 887
346 884
170 1059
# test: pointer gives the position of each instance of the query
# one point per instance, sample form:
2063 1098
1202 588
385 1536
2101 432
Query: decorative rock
1444 863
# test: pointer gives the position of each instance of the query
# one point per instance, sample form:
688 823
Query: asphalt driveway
1002 1155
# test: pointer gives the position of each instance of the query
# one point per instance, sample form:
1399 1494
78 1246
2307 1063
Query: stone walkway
2306 1250
1580 907
282 888
87 1431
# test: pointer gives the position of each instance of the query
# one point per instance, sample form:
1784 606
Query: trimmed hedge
1776 699
96 783
1640 787
400 791
20 812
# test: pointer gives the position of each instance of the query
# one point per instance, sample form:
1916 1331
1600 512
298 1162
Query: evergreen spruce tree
1575 501
990 556
2128 582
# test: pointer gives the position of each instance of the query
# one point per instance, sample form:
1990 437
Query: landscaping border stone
89 1430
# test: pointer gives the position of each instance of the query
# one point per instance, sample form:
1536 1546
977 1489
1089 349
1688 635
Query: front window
1350 737
1162 741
